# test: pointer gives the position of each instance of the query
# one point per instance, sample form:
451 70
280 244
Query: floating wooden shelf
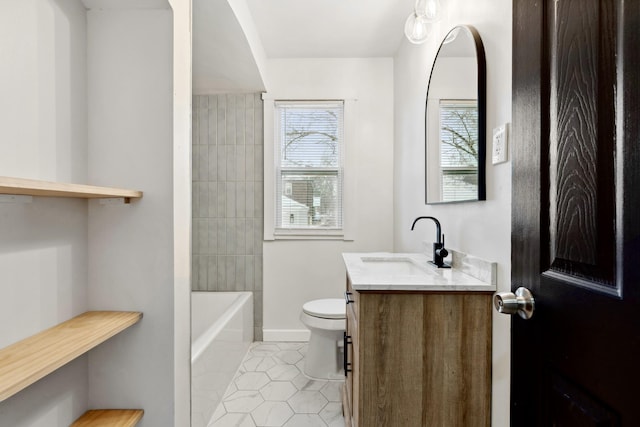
32 187
109 418
27 361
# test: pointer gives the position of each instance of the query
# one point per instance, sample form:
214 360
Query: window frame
453 170
271 169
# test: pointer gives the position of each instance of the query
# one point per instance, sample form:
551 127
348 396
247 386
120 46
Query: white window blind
459 149
309 165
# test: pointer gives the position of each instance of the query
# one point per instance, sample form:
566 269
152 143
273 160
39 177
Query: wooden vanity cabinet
417 359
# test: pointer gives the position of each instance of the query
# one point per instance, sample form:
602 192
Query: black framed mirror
455 120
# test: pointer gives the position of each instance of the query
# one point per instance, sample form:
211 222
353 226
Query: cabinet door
349 371
351 355
391 369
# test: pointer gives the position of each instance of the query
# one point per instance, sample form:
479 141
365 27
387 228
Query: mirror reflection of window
458 149
455 128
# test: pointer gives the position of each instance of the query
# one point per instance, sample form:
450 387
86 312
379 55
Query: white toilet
325 318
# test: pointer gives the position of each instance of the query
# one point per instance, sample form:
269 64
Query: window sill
300 234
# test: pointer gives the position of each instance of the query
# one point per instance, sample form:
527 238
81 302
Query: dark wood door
576 212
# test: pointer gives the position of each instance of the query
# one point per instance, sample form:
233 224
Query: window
309 145
459 149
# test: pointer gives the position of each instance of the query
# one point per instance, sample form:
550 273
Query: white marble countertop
386 271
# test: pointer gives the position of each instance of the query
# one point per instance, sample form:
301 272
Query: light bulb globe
430 9
416 29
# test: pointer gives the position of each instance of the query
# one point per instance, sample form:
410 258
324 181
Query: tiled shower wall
228 196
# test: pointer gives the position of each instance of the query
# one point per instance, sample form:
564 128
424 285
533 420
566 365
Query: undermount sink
393 266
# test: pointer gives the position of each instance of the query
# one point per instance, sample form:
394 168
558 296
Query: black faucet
439 252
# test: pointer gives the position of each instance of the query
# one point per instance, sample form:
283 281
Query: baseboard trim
286 335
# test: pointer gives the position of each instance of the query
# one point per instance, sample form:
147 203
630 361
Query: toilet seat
330 308
326 320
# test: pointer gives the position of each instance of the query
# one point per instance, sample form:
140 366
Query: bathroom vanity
417 343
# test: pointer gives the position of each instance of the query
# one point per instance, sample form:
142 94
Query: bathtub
221 333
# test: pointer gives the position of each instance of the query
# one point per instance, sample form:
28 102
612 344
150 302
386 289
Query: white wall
130 64
481 228
227 54
299 271
43 244
43 97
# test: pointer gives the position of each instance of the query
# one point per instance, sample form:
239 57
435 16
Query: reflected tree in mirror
459 149
455 120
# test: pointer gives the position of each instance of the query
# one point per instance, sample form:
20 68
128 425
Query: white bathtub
221 333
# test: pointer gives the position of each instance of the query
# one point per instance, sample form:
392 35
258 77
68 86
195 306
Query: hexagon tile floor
270 389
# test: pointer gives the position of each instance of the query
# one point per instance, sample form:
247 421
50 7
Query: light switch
500 144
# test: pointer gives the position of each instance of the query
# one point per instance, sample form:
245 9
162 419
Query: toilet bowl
325 318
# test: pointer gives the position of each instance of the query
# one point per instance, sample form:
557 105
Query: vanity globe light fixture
430 9
425 12
416 29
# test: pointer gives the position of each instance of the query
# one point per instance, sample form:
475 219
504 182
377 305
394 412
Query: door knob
522 302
